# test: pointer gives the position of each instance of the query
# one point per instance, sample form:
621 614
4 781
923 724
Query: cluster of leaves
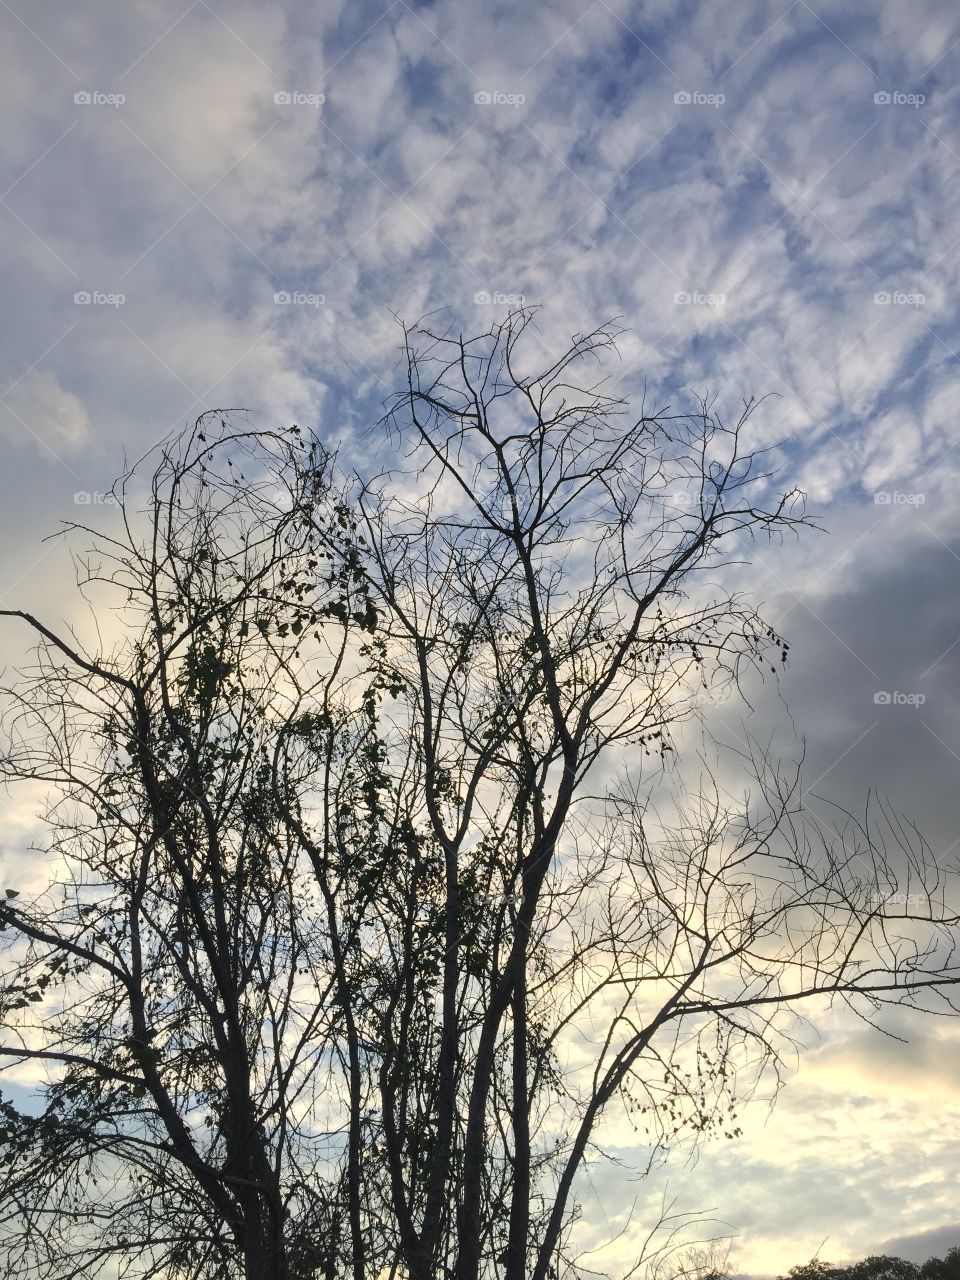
702 1100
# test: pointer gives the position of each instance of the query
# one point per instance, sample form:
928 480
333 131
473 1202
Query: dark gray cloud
923 1244
872 683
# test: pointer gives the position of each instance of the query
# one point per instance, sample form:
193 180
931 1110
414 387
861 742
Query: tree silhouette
881 1267
362 924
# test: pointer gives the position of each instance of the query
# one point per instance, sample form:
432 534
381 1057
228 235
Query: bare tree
369 926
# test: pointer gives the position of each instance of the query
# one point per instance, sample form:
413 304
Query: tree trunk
520 1205
264 1251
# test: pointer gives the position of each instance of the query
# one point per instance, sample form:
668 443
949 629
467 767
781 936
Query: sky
224 205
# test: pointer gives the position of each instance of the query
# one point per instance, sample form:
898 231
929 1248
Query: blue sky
765 193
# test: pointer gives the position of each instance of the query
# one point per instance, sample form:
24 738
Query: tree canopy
881 1267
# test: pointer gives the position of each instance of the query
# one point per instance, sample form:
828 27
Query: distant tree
811 1270
361 920
945 1268
880 1267
674 1259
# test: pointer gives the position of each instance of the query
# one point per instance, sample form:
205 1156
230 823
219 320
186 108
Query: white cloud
37 409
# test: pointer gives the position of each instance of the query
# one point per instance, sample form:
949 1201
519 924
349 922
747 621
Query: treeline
881 1267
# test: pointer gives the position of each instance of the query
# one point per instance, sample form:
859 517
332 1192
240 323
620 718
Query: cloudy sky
221 205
